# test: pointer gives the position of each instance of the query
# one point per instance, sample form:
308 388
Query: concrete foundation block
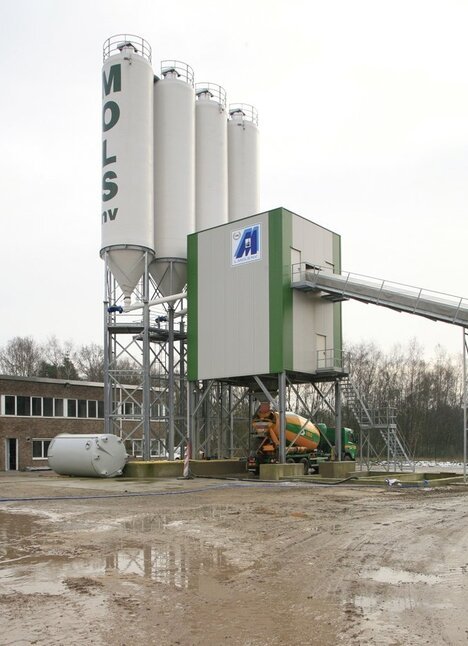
217 467
278 471
175 469
154 469
336 469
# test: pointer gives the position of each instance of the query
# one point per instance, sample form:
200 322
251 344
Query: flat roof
48 380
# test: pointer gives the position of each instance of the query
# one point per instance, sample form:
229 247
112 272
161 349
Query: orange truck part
299 431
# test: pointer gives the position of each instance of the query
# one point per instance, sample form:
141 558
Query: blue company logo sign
246 245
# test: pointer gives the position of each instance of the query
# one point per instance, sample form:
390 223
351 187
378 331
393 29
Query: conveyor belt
402 298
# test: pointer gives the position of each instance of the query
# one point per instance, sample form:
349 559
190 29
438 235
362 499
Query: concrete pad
217 467
280 471
175 469
153 469
336 469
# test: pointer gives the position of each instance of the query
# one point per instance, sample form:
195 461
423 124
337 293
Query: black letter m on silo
114 82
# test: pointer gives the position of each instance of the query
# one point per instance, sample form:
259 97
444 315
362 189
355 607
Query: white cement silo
211 185
127 158
243 161
174 174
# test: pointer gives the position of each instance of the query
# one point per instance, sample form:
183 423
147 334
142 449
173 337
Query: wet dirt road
217 562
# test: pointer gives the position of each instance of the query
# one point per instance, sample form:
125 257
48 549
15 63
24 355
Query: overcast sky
363 109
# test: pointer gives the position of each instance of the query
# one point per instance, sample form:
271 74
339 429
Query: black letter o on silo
114 115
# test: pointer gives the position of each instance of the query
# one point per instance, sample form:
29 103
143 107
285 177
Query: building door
321 345
295 264
11 454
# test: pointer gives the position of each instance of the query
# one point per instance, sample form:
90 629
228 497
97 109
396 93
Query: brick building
34 410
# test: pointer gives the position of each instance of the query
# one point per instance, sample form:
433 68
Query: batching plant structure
209 304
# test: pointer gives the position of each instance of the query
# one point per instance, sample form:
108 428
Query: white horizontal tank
96 456
127 158
211 185
174 174
243 161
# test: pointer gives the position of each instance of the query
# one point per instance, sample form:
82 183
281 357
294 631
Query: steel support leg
146 382
338 446
170 384
282 416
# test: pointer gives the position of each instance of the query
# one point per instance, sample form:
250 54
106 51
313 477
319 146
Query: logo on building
246 245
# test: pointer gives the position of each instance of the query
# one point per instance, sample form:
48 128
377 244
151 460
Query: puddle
186 564
394 577
168 565
46 576
150 523
399 604
16 529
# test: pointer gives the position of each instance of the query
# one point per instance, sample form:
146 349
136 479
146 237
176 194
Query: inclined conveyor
402 298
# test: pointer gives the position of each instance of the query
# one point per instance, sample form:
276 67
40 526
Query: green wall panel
281 297
192 307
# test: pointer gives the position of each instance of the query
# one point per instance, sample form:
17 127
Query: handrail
116 43
414 300
183 70
249 112
216 92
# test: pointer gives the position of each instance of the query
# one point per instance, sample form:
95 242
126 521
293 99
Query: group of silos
175 161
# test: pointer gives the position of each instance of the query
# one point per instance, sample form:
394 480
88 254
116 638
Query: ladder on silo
395 454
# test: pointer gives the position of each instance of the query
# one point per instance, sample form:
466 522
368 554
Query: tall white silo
211 170
242 161
127 158
174 174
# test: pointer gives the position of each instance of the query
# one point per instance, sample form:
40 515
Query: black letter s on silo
111 187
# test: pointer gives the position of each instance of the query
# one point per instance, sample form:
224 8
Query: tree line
427 393
25 357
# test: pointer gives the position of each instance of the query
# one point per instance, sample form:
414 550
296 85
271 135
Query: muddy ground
217 562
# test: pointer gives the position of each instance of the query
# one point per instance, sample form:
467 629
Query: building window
158 449
10 408
54 407
40 448
48 407
58 407
37 406
158 411
92 408
82 408
23 405
128 408
71 407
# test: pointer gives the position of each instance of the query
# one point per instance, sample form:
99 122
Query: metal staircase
392 452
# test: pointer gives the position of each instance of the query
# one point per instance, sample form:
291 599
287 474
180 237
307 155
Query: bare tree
57 362
21 357
426 394
89 360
